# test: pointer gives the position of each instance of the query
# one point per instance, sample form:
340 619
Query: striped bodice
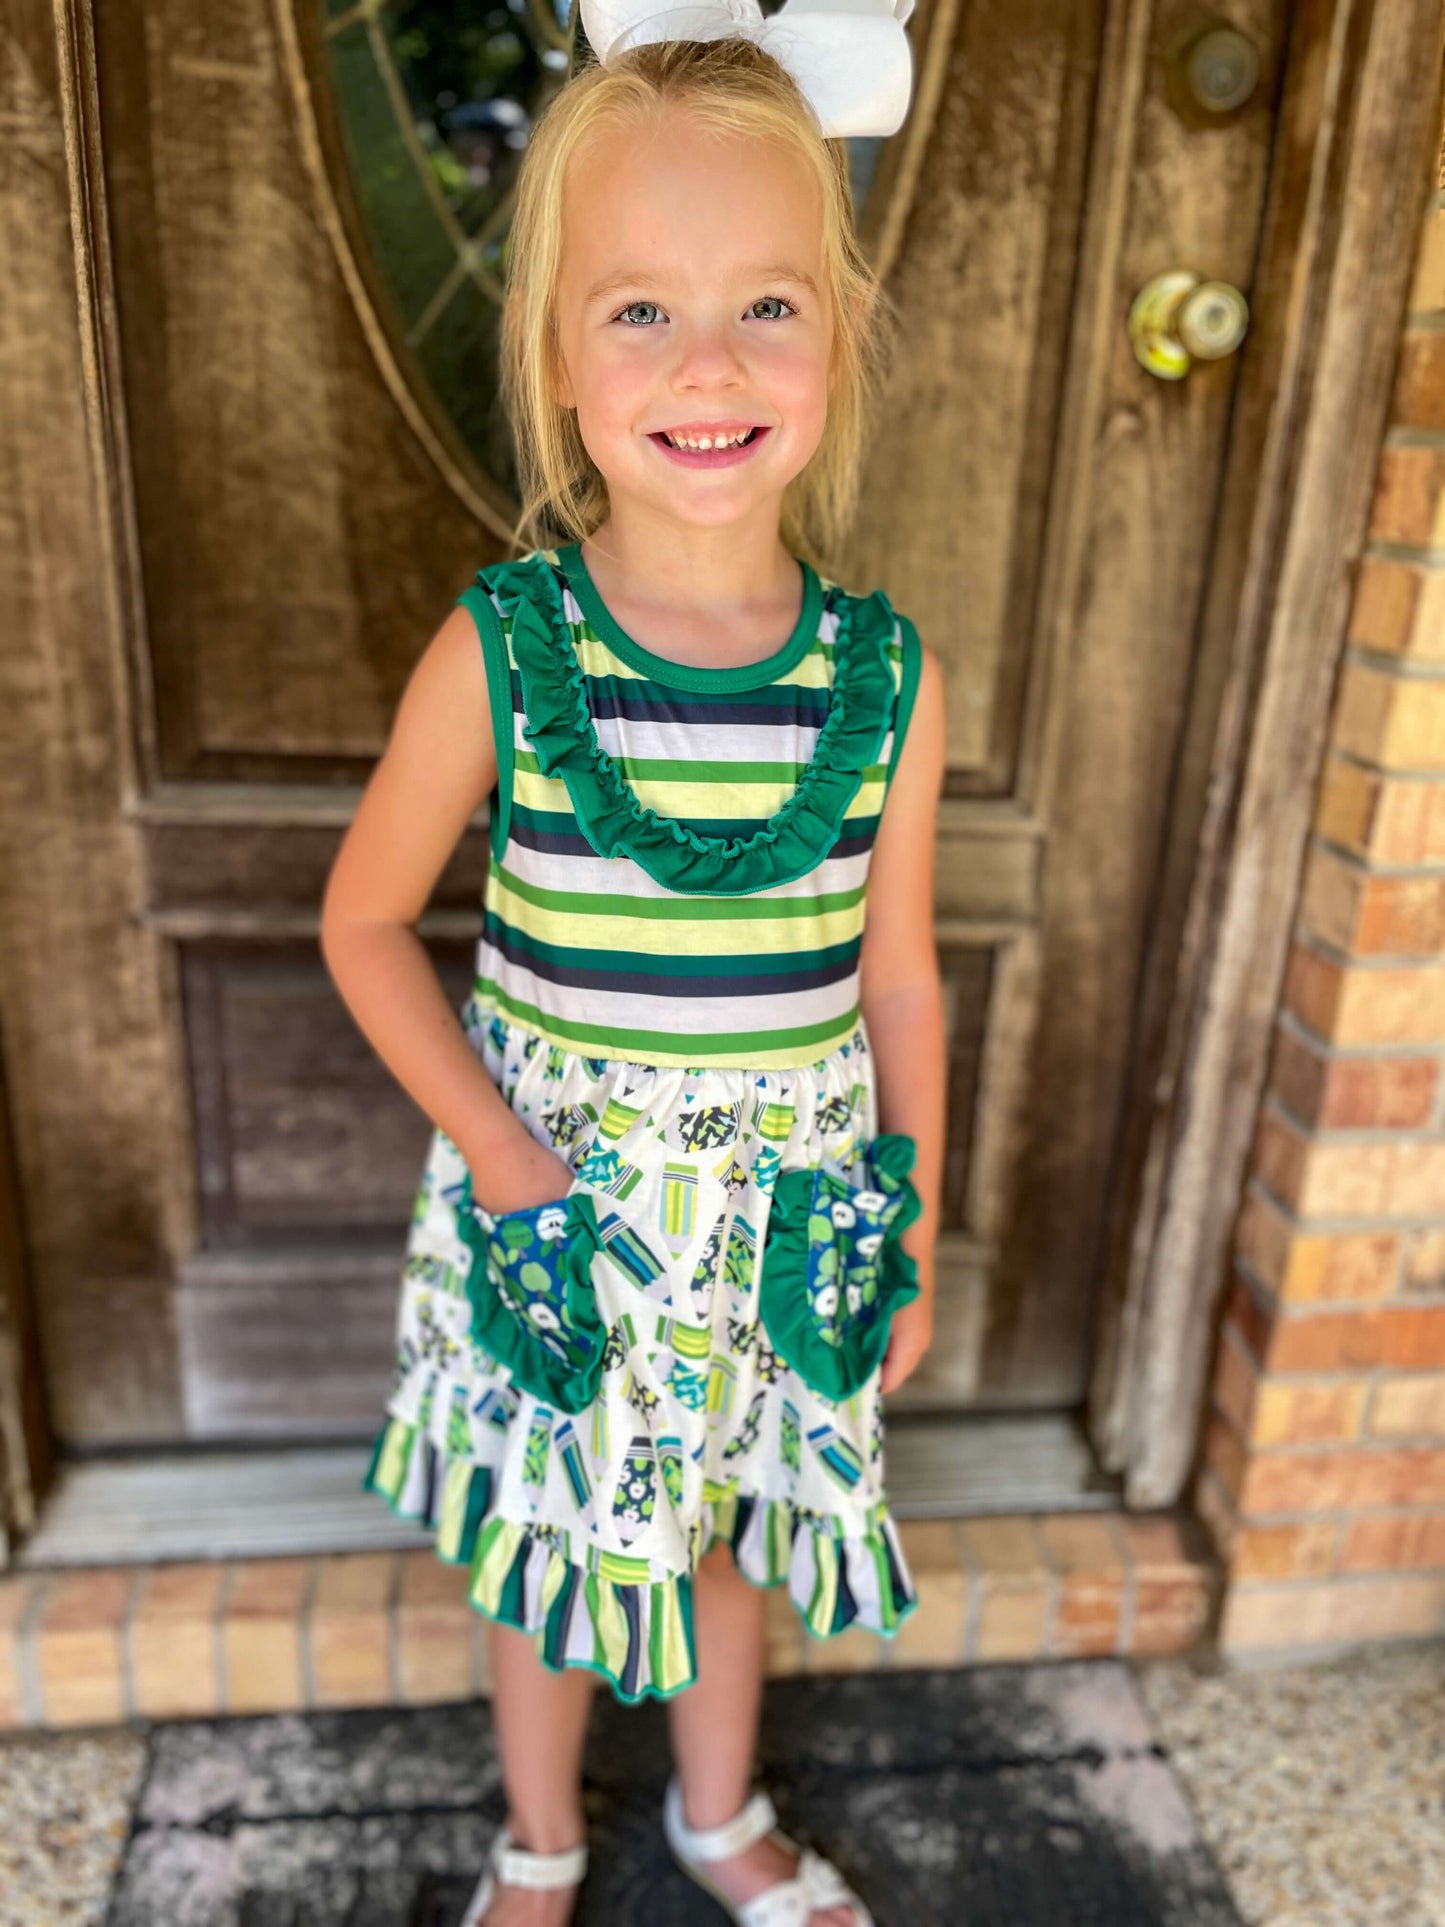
679 855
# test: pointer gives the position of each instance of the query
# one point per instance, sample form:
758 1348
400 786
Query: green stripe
601 903
673 1041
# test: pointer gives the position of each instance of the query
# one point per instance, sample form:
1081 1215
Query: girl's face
692 297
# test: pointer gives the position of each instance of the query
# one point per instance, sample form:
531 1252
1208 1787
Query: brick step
102 1644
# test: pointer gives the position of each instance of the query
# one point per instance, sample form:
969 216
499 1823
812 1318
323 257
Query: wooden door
278 411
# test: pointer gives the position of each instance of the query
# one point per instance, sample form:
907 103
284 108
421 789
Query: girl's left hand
908 1339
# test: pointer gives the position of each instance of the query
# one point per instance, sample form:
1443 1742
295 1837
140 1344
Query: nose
709 357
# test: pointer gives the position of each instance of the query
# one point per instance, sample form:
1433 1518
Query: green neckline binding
683 675
611 816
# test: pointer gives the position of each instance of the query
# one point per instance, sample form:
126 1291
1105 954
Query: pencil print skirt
683 1346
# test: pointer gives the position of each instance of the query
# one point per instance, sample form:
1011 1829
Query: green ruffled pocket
530 1288
834 1270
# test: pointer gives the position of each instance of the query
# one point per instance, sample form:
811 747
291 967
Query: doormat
1003 1794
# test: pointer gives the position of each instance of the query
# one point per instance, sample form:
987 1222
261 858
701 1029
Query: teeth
707 441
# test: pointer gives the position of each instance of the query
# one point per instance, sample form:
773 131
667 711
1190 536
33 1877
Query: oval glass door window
432 103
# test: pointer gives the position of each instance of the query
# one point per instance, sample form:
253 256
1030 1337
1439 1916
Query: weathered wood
26 1456
300 1127
94 1079
1045 514
297 548
1359 120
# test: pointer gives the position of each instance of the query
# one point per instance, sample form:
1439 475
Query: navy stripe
840 962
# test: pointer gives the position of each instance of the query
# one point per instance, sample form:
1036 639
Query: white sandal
790 1903
514 1866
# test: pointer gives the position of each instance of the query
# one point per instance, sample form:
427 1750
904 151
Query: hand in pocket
530 1286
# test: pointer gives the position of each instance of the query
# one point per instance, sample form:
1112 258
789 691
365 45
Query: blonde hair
731 85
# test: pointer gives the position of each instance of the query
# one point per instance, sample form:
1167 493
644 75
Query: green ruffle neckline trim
616 823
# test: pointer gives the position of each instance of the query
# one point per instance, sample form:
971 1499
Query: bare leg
714 1726
541 1719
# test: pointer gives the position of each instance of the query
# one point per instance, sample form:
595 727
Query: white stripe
546 870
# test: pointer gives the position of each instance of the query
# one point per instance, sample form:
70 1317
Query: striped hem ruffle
608 1614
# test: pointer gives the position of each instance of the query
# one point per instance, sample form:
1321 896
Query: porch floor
1160 1792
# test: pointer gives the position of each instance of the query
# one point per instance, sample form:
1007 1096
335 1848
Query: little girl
674 1237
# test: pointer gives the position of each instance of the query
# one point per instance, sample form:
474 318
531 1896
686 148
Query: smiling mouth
721 455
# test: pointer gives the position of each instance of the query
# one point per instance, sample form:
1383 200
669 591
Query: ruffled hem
608 1616
613 819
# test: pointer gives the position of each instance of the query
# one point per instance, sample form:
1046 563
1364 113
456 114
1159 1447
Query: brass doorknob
1178 319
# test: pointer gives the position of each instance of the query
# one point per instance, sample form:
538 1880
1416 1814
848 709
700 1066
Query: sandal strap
754 1821
516 1866
792 1903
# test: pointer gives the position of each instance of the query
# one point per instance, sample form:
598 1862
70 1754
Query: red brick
1342 1480
1397 610
1377 1093
1409 1337
1396 1541
1419 399
1303 1551
1425 1261
350 1630
1389 819
1312 989
1289 1413
173 1641
1412 1407
1091 1582
434 1627
261 1635
1015 1584
933 1633
1396 722
1401 917
1427 291
1409 504
1338 1612
81 1666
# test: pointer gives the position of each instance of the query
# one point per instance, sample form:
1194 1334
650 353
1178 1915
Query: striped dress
684 1345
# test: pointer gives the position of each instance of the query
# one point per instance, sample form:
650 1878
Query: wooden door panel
1057 513
296 543
301 1131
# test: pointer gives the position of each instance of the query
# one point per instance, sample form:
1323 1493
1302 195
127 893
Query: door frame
1358 123
1355 130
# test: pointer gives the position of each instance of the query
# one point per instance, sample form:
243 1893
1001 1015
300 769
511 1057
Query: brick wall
1324 1457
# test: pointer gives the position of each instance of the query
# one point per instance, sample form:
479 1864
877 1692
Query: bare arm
902 996
439 764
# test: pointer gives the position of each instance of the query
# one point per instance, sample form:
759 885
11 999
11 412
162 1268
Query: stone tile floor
1100 1792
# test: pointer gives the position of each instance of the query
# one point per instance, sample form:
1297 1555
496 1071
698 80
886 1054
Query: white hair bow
851 58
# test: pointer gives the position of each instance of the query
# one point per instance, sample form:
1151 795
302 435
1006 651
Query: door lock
1178 319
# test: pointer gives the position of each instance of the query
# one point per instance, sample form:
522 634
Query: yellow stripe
657 937
612 1628
454 1507
691 802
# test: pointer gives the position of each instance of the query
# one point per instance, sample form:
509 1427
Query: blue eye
776 299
